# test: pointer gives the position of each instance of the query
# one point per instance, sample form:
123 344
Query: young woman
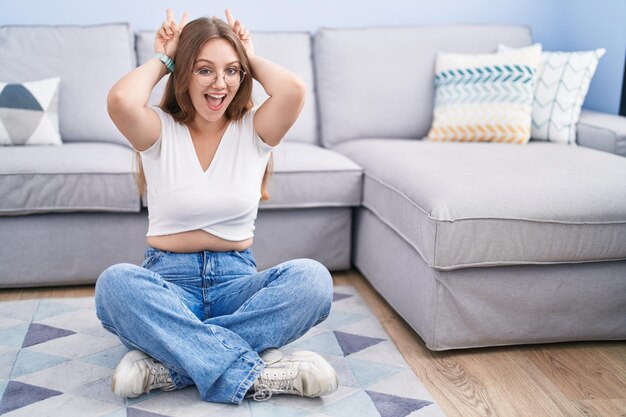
198 311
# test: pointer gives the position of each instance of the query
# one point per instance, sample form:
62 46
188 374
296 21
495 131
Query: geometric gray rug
56 360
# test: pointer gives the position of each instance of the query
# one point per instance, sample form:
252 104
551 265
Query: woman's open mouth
215 101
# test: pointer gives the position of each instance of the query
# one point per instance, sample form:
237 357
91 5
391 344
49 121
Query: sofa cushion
89 60
481 204
562 84
29 113
359 97
72 177
310 176
289 49
485 97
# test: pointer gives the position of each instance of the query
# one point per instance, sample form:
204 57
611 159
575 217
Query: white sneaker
138 373
302 373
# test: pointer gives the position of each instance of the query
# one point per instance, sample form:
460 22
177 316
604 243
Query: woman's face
210 94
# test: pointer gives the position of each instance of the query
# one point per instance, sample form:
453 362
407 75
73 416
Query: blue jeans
207 315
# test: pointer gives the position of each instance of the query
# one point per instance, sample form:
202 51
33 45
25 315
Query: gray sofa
68 212
472 244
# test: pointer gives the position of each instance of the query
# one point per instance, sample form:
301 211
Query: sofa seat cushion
480 204
311 176
73 177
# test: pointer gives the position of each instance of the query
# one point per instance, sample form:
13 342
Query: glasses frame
198 77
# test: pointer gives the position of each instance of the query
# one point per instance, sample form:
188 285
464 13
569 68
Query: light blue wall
557 24
594 24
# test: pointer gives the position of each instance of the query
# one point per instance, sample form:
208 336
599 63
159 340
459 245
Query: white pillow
484 97
563 80
29 113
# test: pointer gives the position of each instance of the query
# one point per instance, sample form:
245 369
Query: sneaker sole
327 369
122 370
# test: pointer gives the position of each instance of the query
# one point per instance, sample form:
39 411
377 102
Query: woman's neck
205 127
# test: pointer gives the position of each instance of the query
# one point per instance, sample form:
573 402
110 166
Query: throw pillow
563 80
484 97
29 113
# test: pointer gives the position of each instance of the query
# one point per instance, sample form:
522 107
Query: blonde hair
176 100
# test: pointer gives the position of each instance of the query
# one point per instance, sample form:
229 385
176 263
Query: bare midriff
196 241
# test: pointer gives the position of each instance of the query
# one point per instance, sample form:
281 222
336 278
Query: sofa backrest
378 82
88 59
289 49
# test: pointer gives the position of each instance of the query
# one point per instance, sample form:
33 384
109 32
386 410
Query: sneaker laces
265 386
262 393
158 375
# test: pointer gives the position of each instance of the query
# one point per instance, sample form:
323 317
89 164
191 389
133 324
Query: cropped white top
223 200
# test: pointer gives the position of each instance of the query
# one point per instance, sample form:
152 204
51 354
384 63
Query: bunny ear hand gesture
240 31
168 34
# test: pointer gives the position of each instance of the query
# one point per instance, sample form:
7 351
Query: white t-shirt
224 199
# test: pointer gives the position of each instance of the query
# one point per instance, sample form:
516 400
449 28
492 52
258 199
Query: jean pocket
246 256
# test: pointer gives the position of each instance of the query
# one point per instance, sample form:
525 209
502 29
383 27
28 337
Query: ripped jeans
207 315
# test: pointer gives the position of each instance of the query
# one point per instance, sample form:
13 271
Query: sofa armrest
602 131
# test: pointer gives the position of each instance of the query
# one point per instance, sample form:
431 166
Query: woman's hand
241 32
167 36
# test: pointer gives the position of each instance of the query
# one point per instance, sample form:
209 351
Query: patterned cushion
29 113
563 80
484 97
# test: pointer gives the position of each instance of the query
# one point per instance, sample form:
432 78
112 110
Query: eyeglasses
207 77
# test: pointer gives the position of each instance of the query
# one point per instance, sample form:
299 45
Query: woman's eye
232 71
205 71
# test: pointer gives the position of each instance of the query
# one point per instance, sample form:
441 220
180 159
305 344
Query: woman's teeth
215 100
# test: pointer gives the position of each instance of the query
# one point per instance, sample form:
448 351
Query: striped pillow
485 97
563 80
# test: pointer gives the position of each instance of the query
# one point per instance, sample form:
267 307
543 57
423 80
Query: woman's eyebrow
211 62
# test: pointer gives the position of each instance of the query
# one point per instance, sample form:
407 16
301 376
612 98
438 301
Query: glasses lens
233 77
204 78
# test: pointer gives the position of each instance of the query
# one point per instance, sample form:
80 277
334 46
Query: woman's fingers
170 27
167 35
236 27
229 18
184 21
239 29
166 29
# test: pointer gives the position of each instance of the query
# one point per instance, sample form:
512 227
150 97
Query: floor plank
49 292
541 390
580 371
602 408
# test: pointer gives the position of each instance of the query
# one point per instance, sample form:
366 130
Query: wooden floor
566 379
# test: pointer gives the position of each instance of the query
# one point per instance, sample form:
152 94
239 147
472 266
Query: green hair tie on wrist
169 64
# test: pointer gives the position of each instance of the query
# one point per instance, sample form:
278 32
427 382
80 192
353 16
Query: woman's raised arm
285 89
127 101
